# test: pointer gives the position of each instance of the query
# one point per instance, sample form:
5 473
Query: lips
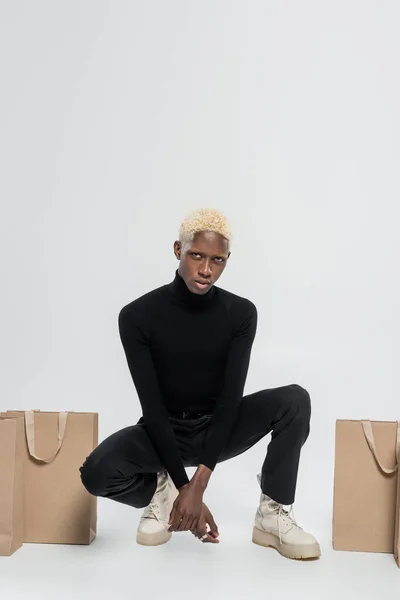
202 285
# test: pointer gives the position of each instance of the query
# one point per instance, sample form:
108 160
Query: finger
193 524
214 533
171 521
211 540
193 529
183 524
174 510
208 539
201 530
172 515
212 524
176 521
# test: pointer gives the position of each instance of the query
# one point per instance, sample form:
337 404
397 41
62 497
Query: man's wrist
198 486
180 488
201 478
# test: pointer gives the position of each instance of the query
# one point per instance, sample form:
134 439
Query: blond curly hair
204 219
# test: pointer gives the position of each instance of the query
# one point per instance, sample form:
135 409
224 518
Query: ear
177 249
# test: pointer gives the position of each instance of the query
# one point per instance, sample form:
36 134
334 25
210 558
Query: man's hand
186 509
200 530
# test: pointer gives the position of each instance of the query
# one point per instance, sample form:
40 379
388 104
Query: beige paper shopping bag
365 486
397 527
11 482
57 508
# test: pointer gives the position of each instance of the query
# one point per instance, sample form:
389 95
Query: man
188 346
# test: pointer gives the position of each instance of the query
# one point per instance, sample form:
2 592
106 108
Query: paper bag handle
30 434
369 436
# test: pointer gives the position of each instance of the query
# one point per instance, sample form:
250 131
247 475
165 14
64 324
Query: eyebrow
202 253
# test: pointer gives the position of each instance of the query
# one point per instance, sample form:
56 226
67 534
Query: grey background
118 118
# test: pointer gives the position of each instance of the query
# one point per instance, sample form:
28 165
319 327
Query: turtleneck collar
183 296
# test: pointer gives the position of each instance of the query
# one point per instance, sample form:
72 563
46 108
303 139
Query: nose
205 269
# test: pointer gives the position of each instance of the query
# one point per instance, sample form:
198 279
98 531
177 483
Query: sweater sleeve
234 381
155 417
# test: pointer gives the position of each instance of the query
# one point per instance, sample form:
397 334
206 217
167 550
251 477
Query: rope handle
369 436
30 434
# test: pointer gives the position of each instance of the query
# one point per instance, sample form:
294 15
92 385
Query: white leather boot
276 527
153 526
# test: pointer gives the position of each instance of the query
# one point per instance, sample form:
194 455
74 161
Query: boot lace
287 517
152 511
284 517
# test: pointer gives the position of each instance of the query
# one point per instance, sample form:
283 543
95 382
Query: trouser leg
286 412
123 467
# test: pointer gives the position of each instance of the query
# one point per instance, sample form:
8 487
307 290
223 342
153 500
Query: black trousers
124 466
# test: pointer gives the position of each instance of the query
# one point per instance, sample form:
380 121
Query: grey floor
114 566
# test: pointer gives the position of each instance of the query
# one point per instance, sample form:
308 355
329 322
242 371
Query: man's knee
300 401
92 476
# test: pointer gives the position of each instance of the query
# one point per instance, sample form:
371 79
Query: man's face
202 261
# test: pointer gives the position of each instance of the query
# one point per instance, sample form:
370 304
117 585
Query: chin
195 290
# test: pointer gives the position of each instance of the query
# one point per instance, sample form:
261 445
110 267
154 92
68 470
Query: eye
195 254
221 260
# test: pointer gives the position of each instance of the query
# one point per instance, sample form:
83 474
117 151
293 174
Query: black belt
178 414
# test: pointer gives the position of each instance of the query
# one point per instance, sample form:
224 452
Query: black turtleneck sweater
188 352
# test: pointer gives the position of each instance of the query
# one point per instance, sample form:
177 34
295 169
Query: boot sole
295 552
153 539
